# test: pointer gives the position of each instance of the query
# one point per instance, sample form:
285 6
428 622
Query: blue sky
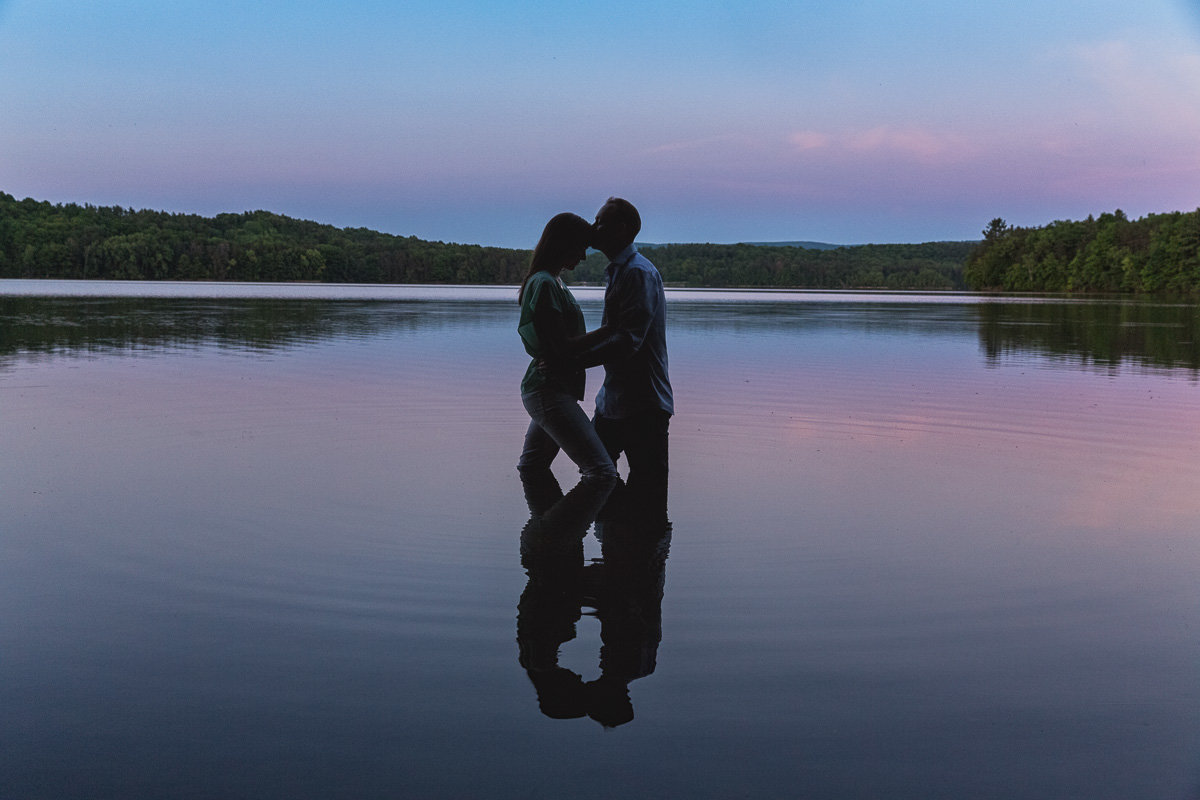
745 120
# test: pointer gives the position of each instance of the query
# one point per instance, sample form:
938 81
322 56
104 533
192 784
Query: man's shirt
634 303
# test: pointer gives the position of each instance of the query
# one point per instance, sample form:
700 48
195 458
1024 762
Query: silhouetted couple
635 404
625 587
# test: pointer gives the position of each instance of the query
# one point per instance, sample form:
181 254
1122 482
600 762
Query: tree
996 229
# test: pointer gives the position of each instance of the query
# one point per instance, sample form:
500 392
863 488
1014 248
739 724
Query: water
267 542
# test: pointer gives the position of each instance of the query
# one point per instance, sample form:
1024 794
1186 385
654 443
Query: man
635 404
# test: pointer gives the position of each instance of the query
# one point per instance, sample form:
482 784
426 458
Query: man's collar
626 255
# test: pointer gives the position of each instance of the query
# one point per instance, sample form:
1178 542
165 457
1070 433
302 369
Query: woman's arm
550 327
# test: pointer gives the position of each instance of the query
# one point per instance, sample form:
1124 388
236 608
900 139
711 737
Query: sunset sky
475 121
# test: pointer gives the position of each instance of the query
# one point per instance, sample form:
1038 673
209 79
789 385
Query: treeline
1159 253
41 240
936 265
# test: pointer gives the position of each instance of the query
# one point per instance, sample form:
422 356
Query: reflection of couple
634 405
625 587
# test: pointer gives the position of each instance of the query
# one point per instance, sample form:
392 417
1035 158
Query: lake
270 542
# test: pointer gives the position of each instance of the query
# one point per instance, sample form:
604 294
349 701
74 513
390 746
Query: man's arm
601 346
632 303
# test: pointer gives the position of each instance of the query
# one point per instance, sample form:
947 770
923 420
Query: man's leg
646 448
612 435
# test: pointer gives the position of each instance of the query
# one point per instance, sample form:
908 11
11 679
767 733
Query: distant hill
933 265
805 245
817 245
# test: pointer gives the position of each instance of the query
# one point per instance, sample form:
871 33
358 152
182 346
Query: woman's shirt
549 316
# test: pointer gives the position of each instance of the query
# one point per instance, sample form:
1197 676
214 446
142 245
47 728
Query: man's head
617 223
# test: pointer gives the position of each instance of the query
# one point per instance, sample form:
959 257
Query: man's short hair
628 214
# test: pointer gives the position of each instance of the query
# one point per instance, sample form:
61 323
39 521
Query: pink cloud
891 142
810 140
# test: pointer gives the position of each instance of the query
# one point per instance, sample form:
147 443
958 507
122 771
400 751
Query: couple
634 405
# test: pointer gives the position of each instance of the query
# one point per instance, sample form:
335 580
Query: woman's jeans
557 422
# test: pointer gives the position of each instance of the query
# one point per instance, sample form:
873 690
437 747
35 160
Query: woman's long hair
562 237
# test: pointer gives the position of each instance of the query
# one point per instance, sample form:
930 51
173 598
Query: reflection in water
96 325
92 325
1087 333
1094 334
624 587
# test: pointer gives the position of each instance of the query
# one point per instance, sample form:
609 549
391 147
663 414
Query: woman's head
563 244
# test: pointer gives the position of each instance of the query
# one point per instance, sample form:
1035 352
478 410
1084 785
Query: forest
43 240
1159 253
935 265
40 240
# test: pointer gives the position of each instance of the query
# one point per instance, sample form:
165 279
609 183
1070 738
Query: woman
549 318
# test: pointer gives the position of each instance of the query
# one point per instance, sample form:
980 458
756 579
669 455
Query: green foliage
936 265
40 240
1157 253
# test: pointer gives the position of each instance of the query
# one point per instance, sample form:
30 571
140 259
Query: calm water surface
269 542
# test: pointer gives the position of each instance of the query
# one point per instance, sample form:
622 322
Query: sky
722 120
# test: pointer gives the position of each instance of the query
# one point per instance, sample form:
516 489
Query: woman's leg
539 449
563 421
